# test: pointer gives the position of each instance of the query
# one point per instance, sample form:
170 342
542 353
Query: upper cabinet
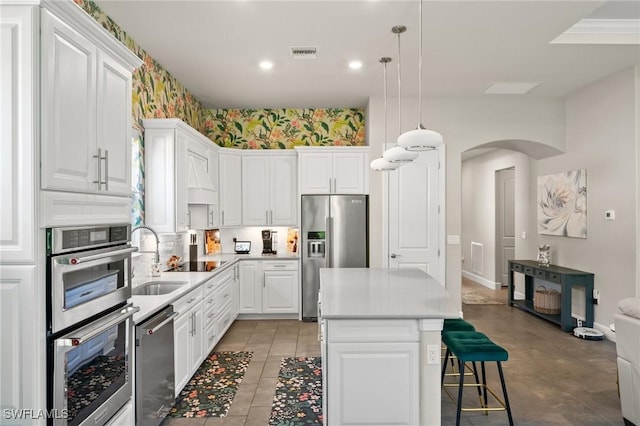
337 170
86 113
269 188
180 170
230 162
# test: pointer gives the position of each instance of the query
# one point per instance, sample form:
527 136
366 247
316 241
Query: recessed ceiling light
511 88
355 65
266 65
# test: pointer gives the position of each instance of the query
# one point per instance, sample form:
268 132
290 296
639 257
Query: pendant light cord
420 70
399 89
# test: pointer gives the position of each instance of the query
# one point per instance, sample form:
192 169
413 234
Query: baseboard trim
481 280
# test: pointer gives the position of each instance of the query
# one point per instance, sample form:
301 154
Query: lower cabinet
370 357
188 340
269 287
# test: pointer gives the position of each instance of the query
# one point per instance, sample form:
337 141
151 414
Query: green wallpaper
285 128
157 94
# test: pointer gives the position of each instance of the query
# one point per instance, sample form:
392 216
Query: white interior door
505 222
413 215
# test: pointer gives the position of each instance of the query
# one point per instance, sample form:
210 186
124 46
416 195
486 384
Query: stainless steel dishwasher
155 376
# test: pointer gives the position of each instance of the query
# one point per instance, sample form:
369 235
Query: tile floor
552 377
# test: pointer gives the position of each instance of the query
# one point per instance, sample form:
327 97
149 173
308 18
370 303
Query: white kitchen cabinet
86 112
280 291
180 177
230 187
268 287
269 189
21 363
250 288
357 350
343 170
188 337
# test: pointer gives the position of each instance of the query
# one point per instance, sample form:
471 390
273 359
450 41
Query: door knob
393 255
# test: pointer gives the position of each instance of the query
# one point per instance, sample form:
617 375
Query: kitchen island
380 340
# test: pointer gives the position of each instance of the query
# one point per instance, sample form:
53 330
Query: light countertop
369 293
149 305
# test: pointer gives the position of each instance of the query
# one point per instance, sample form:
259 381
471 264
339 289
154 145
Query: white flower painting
562 204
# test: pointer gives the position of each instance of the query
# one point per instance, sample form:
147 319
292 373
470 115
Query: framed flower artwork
562 204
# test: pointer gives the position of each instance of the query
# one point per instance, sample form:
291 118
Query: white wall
601 137
478 190
465 123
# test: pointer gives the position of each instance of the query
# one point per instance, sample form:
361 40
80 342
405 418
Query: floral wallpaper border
285 128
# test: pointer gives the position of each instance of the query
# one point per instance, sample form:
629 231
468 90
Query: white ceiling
213 47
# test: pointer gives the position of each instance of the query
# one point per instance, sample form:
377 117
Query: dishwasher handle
149 331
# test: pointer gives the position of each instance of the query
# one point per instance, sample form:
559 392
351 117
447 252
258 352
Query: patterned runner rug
298 399
211 389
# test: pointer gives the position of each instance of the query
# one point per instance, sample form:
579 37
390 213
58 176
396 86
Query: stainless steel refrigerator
335 234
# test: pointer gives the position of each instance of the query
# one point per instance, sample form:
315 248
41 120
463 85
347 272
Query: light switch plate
610 214
453 239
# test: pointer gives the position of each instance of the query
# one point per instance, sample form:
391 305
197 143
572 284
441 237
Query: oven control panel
62 240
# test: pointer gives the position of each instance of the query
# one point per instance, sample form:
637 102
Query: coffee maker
269 241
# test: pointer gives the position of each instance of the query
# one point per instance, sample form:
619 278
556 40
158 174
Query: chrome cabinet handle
189 221
211 216
335 185
99 157
266 214
270 217
106 170
222 213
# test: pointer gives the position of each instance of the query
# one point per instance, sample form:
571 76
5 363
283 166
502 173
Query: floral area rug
298 399
211 389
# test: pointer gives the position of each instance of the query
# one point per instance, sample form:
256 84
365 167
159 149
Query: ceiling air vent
304 52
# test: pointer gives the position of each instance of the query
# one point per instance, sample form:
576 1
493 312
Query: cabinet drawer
528 270
188 301
554 277
539 273
273 265
209 316
223 295
516 267
209 301
372 331
210 336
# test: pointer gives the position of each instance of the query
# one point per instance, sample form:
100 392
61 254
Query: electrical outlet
433 354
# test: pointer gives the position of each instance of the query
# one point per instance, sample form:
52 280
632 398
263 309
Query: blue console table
567 278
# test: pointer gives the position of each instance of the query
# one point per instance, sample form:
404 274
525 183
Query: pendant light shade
381 164
398 154
420 139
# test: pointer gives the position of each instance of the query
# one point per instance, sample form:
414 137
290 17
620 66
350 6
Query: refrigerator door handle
328 252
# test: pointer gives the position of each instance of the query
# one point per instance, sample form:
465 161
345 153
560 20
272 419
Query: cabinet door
282 191
68 79
394 366
199 182
315 173
250 288
19 135
280 293
350 173
182 338
230 189
114 125
197 338
22 327
255 190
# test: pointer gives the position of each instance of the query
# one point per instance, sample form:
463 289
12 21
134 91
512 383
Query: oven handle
113 319
78 260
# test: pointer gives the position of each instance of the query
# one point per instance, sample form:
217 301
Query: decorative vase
544 255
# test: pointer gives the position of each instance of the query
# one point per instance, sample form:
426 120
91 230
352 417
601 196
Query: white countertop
369 293
149 305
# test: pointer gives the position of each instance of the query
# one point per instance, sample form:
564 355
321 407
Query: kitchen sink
157 288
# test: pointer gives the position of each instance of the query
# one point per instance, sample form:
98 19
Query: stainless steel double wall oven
89 322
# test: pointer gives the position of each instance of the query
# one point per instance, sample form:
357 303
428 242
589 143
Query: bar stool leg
504 393
475 374
484 386
460 388
444 366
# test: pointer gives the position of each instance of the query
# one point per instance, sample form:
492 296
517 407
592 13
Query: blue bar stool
472 346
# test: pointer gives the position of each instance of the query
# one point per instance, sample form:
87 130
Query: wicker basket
546 301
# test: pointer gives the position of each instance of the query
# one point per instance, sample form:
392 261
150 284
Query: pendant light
420 139
398 154
380 164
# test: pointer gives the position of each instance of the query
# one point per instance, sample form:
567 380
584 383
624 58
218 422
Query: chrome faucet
155 234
